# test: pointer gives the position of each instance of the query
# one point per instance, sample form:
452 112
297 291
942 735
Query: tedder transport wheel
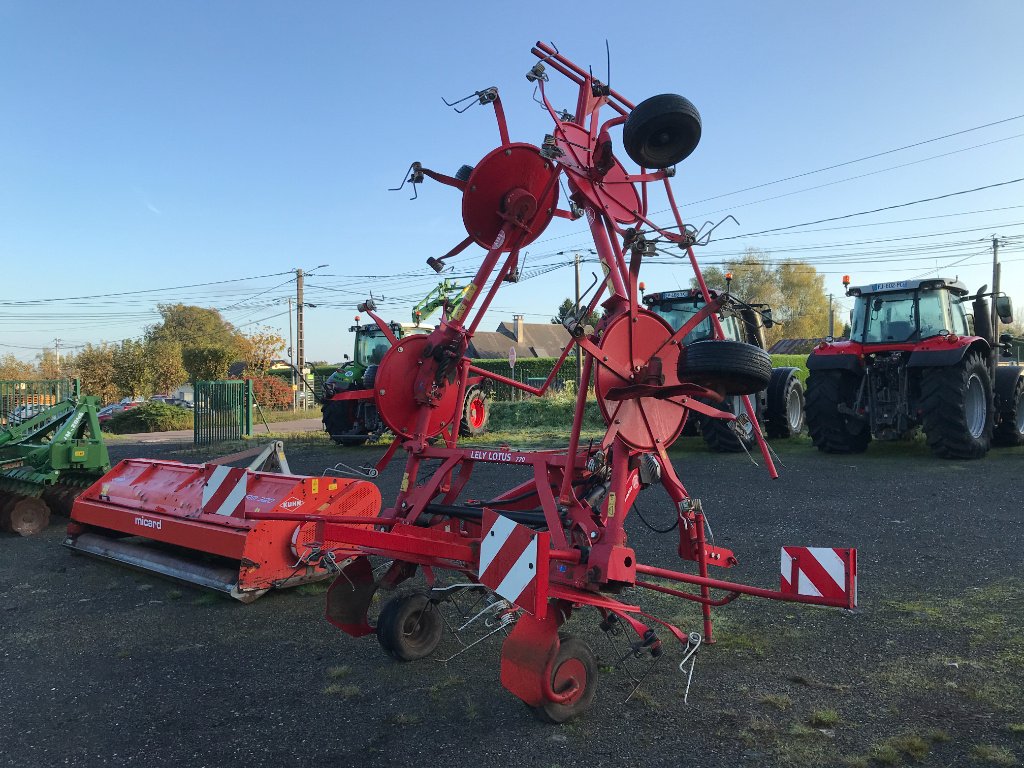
338 423
1010 431
957 405
574 667
24 515
475 412
784 411
409 627
730 367
831 430
720 435
661 131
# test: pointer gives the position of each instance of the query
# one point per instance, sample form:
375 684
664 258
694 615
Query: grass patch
174 594
316 588
993 755
206 598
338 672
777 701
907 746
441 688
1016 728
823 718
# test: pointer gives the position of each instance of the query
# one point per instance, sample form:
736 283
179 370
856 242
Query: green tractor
780 406
353 422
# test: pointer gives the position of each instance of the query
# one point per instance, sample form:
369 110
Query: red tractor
916 357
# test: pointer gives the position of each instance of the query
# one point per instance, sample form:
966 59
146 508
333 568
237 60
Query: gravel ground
105 666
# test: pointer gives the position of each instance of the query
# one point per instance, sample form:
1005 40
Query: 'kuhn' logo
145 522
291 503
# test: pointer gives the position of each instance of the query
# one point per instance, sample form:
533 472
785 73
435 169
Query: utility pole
56 352
831 318
291 351
300 336
995 290
579 355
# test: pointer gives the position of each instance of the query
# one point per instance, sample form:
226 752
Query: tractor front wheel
957 405
475 412
409 627
339 425
728 436
573 672
833 431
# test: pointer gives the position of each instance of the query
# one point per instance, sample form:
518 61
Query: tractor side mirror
344 357
1004 308
1005 338
767 315
876 305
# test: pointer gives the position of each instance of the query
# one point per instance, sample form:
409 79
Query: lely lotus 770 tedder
555 542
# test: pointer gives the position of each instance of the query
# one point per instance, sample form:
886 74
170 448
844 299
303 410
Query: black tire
463 173
409 627
729 367
337 418
784 413
476 410
1010 431
720 435
581 662
833 431
661 131
957 408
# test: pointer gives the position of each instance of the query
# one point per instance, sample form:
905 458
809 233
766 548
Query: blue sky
151 145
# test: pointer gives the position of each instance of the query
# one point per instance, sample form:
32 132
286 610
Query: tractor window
884 317
931 315
960 324
371 348
679 313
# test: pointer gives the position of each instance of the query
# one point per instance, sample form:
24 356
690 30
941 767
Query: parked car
108 412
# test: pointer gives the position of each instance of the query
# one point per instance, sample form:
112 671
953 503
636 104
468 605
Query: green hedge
541 413
792 361
149 417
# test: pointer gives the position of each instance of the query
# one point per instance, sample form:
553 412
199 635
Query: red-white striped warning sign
225 489
513 562
826 572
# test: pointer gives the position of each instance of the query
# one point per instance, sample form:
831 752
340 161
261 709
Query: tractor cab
371 343
908 311
677 307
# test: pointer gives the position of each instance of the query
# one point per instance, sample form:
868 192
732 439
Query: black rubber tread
463 173
338 423
409 627
942 403
466 429
776 417
647 123
832 431
1012 403
730 367
719 434
571 648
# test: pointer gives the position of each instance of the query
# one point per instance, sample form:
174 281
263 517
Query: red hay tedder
555 542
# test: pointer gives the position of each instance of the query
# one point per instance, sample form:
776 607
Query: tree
191 327
94 366
566 309
52 365
259 350
207 363
130 368
11 368
163 358
794 291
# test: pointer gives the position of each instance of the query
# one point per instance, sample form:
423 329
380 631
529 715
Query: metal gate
223 411
22 399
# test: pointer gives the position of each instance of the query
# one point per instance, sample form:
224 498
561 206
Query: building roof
793 346
537 340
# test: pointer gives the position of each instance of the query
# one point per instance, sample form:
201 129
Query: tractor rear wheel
475 412
784 413
831 430
729 367
957 405
337 417
574 669
721 435
1010 431
409 627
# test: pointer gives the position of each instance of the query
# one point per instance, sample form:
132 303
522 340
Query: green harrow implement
46 461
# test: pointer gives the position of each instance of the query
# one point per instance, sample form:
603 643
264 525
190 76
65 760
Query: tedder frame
556 541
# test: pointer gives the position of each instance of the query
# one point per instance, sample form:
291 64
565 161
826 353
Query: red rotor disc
614 194
394 396
644 423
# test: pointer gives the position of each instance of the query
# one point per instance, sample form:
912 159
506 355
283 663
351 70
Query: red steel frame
508 200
